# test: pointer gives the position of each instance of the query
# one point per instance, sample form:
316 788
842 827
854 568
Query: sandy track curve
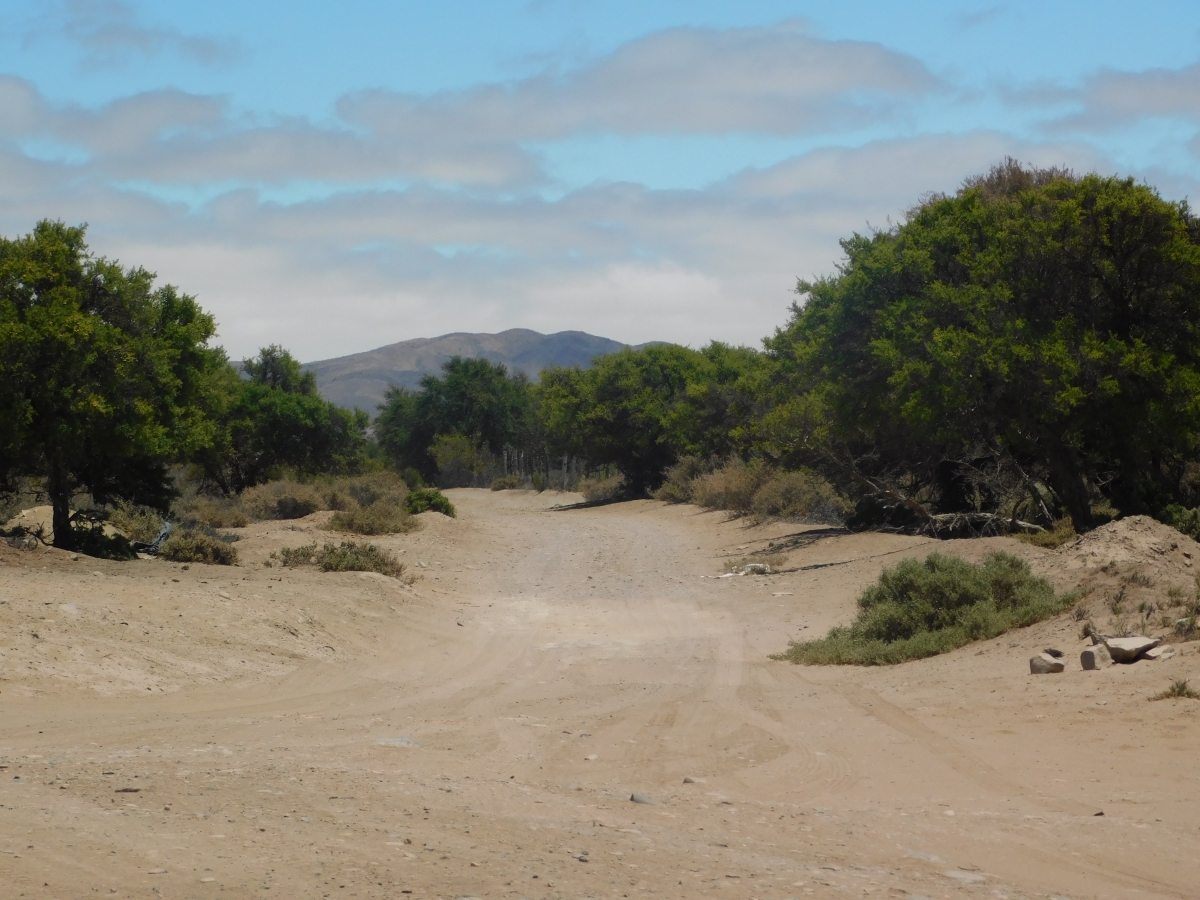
293 734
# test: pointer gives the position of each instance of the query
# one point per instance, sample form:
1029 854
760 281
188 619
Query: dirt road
171 732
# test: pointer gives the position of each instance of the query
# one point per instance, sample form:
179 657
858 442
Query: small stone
591 756
1128 649
207 879
399 741
1050 651
688 779
1164 652
640 798
1042 664
157 872
1095 657
965 877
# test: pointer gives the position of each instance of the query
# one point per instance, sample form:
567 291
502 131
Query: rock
965 877
1095 657
1164 652
1128 649
1043 664
756 569
399 741
640 798
688 779
1057 654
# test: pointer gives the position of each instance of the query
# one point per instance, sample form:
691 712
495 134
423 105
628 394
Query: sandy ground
198 731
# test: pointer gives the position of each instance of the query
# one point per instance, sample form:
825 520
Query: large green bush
921 608
425 499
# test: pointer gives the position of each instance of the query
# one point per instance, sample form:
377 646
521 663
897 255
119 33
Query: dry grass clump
192 546
800 497
506 483
381 517
599 489
364 504
348 556
677 487
1179 690
731 487
283 499
1063 532
213 512
923 608
757 489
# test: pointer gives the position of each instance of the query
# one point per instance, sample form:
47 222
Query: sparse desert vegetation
920 608
347 556
187 545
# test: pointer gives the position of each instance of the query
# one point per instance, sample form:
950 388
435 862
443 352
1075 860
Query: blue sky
338 176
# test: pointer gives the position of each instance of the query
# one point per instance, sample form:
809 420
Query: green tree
275 419
103 377
473 397
640 410
1035 323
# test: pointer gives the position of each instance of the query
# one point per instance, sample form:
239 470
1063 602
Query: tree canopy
275 419
1034 329
640 410
474 398
103 376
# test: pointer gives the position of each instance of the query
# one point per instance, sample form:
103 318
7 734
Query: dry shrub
755 489
214 512
365 490
677 488
1063 532
380 517
597 490
281 500
138 523
348 556
731 487
506 483
800 497
188 545
1179 690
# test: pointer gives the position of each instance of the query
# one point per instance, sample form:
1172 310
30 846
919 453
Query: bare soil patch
174 731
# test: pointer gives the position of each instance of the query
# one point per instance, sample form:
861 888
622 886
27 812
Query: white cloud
776 81
771 81
360 269
1111 99
425 222
110 35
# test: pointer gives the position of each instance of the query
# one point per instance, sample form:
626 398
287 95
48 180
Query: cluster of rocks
1104 652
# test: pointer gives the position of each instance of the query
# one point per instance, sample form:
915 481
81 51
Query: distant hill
362 378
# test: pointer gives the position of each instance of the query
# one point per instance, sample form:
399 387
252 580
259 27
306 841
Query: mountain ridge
362 379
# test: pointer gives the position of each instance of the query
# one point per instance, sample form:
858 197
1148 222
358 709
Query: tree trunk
1068 483
58 486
